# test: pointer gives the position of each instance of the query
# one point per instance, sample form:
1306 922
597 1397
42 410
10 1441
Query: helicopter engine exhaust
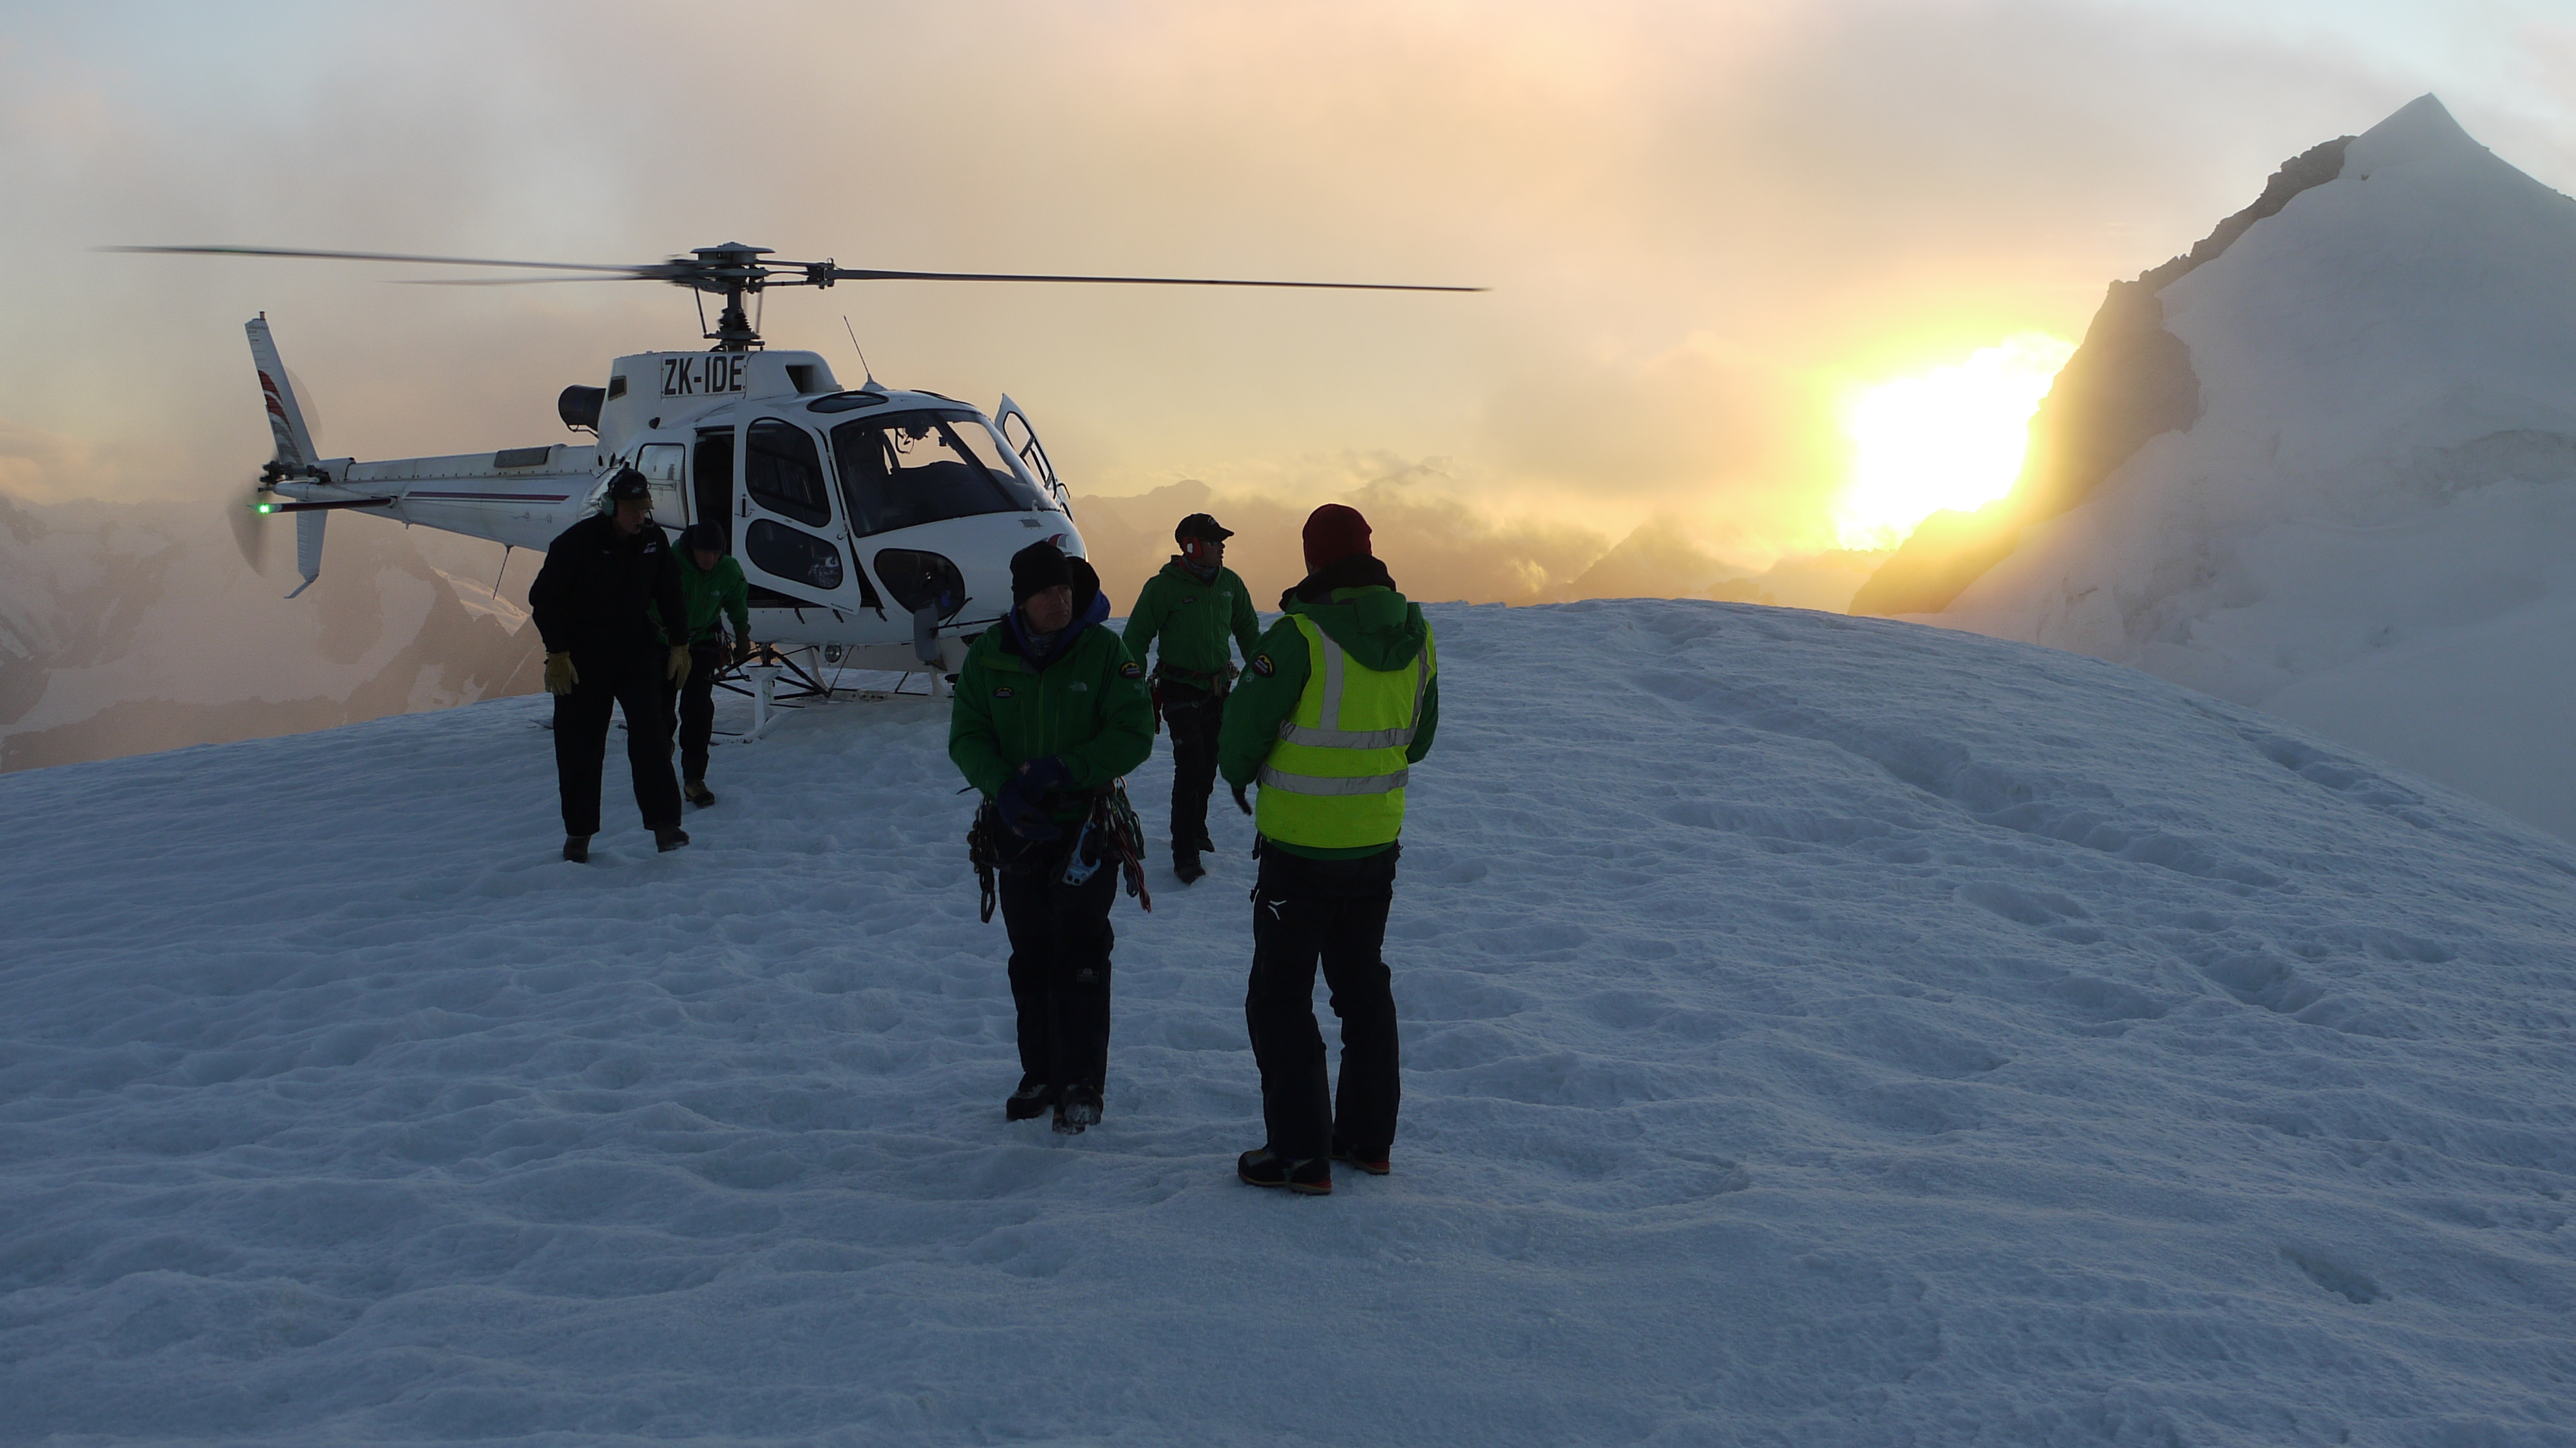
579 407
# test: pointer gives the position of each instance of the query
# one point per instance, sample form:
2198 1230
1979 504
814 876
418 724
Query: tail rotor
250 531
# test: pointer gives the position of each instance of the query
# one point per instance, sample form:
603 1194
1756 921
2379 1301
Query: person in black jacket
604 580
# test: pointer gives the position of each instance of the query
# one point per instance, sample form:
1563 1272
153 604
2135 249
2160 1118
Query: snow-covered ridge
1818 1030
2367 523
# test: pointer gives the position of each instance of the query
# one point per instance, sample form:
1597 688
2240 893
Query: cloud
1438 548
37 466
1701 221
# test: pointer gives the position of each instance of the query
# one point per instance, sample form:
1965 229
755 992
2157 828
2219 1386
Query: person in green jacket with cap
1198 607
1049 712
1340 700
711 583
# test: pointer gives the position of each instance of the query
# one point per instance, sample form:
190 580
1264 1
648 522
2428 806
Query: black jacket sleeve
550 600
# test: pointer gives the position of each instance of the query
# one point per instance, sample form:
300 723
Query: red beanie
1334 532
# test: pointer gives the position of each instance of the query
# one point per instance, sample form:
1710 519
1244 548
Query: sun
1948 438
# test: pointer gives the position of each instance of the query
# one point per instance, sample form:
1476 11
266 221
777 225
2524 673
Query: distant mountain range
126 628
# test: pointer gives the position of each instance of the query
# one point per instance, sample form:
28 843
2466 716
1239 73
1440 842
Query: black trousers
695 703
635 684
1333 912
1060 941
1194 719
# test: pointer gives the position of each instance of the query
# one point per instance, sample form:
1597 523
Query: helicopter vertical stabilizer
308 548
295 453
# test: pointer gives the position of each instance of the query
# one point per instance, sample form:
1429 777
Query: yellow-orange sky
1704 223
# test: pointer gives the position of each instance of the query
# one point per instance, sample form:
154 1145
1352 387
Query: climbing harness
1110 834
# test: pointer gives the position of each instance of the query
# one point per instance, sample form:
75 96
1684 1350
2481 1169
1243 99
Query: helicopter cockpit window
909 468
783 552
784 473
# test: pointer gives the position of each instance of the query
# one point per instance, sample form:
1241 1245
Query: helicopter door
790 541
659 462
1032 453
713 478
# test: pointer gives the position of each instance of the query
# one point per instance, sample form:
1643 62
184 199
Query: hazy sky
1704 223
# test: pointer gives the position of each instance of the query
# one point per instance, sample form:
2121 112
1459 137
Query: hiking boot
1185 863
1029 1102
1374 1166
696 792
1206 846
667 838
1076 1108
577 849
1312 1177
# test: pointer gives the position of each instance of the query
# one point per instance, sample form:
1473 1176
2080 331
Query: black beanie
1037 568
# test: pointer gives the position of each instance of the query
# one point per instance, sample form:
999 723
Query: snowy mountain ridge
2366 522
1817 1030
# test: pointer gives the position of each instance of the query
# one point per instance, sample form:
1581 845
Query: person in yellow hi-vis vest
1338 703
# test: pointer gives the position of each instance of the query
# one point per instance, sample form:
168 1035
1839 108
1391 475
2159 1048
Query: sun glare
1949 438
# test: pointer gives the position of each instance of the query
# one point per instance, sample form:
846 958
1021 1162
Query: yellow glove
560 674
679 670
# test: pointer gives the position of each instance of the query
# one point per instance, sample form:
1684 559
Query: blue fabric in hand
1023 798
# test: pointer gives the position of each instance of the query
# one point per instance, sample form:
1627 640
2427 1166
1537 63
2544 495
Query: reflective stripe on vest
1335 779
1331 784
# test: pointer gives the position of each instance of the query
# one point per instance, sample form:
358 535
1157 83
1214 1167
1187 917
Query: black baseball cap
627 486
1201 525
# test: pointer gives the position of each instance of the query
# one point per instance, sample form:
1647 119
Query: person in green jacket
1198 607
1049 712
1339 702
711 583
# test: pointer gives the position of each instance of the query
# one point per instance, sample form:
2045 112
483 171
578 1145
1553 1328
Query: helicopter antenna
862 351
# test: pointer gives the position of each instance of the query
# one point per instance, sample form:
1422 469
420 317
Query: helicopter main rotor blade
513 281
709 274
857 274
648 271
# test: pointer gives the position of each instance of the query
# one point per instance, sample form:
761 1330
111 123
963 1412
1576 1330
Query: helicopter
874 525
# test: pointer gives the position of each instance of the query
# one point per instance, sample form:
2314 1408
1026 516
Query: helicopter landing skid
760 681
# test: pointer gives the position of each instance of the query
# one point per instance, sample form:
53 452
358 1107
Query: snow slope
1818 1031
2369 529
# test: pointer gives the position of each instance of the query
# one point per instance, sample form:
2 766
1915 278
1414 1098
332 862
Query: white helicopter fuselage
875 524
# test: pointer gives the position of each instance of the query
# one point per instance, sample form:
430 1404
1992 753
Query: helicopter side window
784 473
788 553
912 468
